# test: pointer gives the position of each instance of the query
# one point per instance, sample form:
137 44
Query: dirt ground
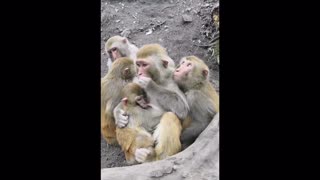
163 22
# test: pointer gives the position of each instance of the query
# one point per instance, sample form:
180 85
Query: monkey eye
182 62
189 64
144 65
113 49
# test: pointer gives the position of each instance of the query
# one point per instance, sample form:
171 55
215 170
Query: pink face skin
183 70
115 53
143 68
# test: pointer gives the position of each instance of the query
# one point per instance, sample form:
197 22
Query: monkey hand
123 119
143 81
141 154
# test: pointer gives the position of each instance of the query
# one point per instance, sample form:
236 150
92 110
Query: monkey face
183 69
115 53
143 68
116 47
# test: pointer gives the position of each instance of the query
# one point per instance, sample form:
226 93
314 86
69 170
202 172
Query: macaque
192 76
155 75
118 47
138 132
121 73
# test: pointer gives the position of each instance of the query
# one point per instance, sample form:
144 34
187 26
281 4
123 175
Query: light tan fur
133 136
111 85
126 48
192 76
207 87
167 124
168 136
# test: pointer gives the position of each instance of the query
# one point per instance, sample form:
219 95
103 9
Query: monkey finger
123 117
145 79
141 154
141 158
122 124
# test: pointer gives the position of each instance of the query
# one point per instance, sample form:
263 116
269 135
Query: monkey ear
126 71
124 40
125 101
165 63
205 73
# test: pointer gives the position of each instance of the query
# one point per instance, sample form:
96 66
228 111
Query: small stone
185 174
149 32
170 16
126 33
205 5
187 18
117 21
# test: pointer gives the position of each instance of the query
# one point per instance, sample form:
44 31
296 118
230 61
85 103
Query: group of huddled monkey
150 107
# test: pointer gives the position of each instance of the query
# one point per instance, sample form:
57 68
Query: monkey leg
131 139
167 136
108 129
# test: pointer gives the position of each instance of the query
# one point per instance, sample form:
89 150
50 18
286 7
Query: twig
168 7
212 42
199 45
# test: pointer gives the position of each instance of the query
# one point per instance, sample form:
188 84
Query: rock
187 18
126 33
149 32
170 16
202 165
117 20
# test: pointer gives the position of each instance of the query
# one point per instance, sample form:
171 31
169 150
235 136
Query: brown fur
133 136
112 40
196 81
167 125
111 85
201 95
169 136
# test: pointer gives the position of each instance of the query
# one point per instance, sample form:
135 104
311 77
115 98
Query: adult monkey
118 47
192 76
155 75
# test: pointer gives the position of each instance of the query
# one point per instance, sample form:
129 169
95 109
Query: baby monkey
134 136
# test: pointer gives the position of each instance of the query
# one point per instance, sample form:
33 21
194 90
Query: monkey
138 132
121 73
155 70
117 47
192 76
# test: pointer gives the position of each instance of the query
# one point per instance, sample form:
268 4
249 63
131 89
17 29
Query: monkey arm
168 100
192 132
202 107
201 111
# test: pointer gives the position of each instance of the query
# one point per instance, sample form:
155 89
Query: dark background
51 85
